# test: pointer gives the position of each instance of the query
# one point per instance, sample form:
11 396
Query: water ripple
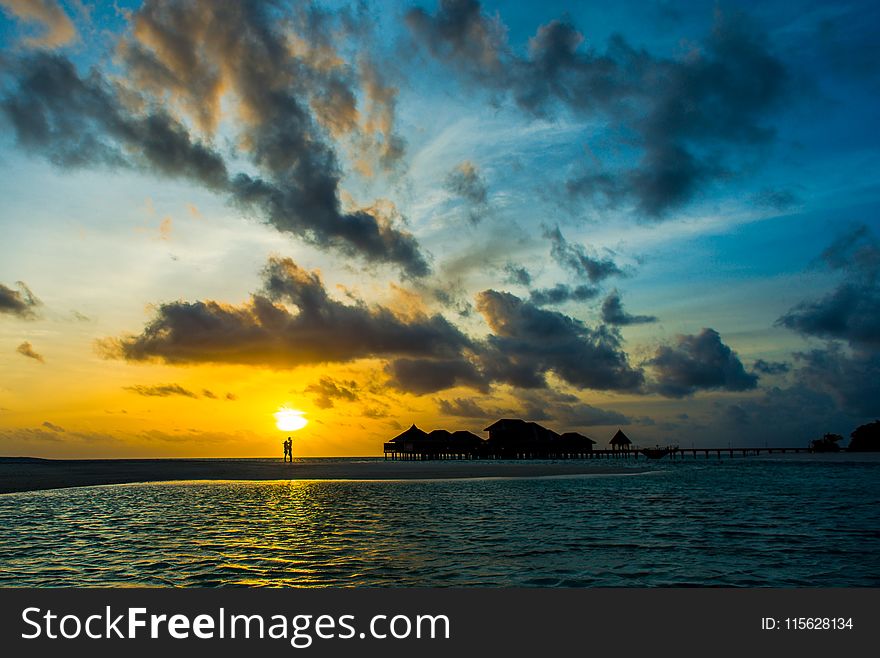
747 524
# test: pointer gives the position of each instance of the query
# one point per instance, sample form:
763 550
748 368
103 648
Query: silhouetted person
288 449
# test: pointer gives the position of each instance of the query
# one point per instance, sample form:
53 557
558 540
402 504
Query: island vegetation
865 438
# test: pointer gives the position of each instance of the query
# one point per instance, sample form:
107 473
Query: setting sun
289 420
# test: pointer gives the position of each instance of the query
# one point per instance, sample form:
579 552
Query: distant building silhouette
509 438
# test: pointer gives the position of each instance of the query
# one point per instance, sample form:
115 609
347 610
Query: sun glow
289 420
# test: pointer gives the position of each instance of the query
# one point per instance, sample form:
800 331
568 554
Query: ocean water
805 520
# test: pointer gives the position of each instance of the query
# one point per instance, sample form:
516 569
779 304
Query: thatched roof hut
412 434
518 430
620 441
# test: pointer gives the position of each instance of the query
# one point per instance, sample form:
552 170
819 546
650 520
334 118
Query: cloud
21 302
182 59
575 258
566 410
56 27
263 331
327 390
462 408
465 181
527 342
586 415
53 427
782 416
26 349
699 362
686 115
292 321
853 381
851 311
80 121
561 293
613 313
771 367
162 391
421 376
461 33
517 274
287 86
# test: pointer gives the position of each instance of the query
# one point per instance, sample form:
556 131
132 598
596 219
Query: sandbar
30 474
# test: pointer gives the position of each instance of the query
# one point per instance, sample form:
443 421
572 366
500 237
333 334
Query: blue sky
709 168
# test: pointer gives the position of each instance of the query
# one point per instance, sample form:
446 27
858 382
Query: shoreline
34 474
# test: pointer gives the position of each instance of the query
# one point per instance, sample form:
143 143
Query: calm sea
804 520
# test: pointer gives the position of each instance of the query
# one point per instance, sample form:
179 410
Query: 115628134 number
807 623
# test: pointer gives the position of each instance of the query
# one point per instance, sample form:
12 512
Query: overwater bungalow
408 441
509 438
575 443
414 443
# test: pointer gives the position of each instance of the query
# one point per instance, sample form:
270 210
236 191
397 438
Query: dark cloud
421 376
26 349
21 302
465 181
699 362
232 397
208 394
290 95
852 380
851 311
53 427
527 342
263 331
779 416
575 258
771 367
734 414
327 390
586 415
568 411
613 313
80 121
463 408
287 91
685 114
161 391
293 321
461 33
517 274
561 293
374 413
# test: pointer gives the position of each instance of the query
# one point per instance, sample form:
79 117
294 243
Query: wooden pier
395 451
516 439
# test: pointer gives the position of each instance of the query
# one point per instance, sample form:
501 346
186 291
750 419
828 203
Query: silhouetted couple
288 449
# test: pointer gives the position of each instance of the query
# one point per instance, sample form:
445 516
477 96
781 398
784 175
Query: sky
656 216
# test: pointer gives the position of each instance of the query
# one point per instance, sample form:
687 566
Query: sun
289 420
